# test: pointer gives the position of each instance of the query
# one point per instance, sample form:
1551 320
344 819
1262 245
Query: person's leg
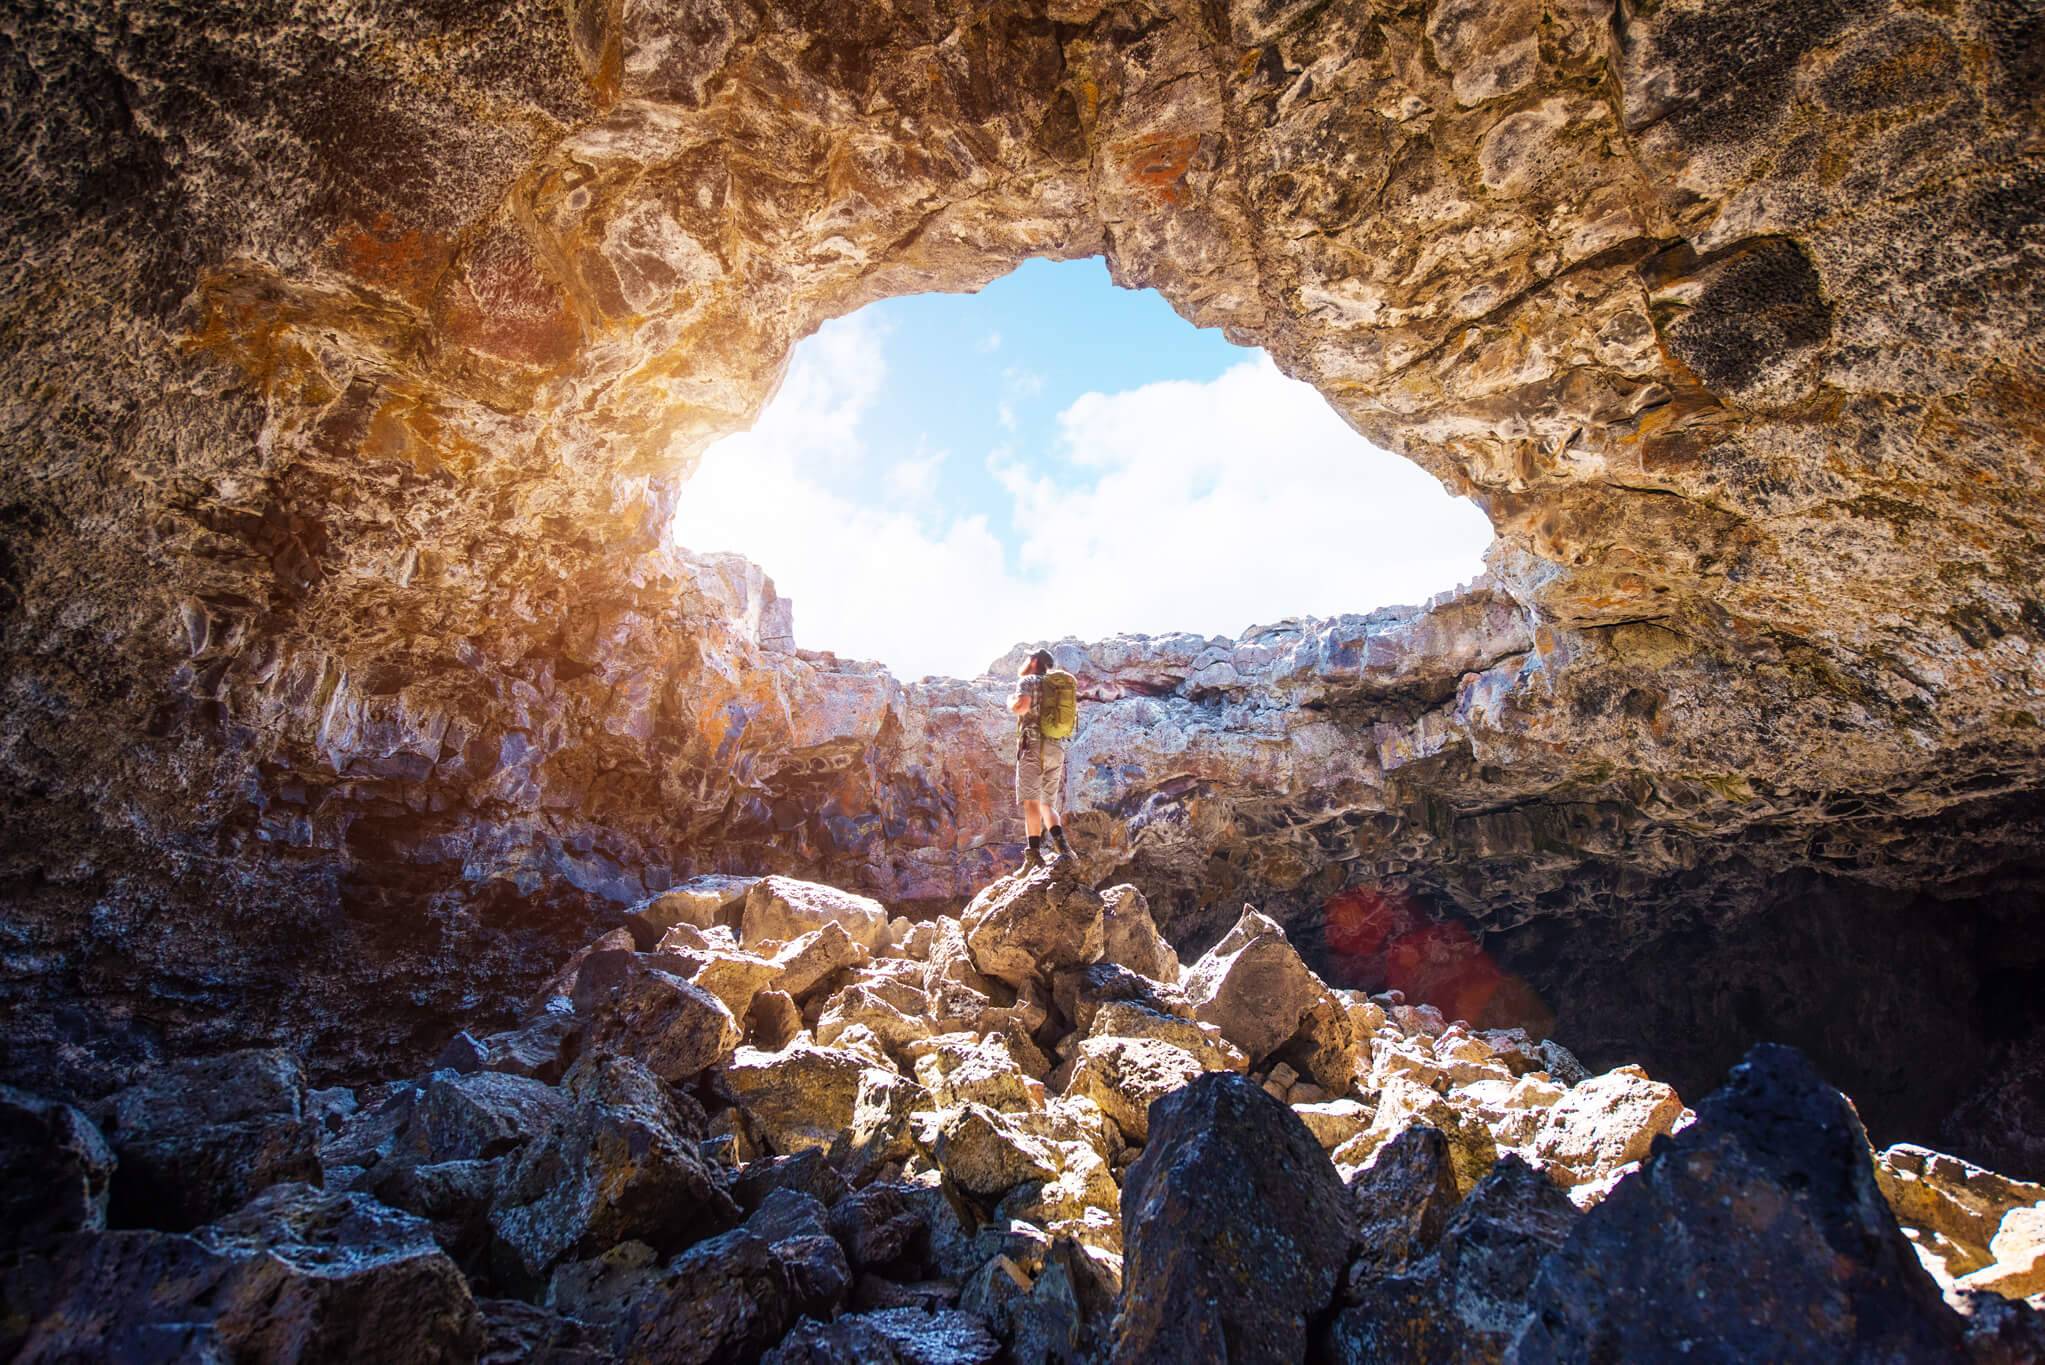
1054 796
1033 818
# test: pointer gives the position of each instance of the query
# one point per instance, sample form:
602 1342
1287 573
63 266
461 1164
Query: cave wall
357 360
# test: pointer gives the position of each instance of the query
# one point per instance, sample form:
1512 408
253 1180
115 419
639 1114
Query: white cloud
989 343
1178 506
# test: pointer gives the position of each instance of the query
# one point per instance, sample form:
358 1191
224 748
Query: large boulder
55 1171
799 1098
1606 1122
1024 928
1125 1076
1757 1233
698 902
619 1164
1463 1300
889 1336
637 1009
1130 1019
1402 1103
806 961
1235 1227
1403 1199
988 1153
781 909
1253 986
726 1299
1129 936
202 1137
297 1275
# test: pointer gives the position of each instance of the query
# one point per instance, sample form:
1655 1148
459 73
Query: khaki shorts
1040 769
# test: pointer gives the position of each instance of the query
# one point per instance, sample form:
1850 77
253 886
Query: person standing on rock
1046 706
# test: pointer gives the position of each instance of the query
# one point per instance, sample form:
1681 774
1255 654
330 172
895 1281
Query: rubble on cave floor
764 1121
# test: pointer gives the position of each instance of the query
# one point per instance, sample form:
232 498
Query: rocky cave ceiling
357 355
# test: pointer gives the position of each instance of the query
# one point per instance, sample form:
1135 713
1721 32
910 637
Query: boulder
733 977
782 909
800 1098
2017 1266
1125 1076
1023 928
962 1068
883 1126
1402 1199
1323 1046
1951 1209
1604 1123
201 1137
1080 991
773 1021
890 1336
806 961
561 985
1129 937
892 1011
1129 1019
1464 1300
55 1172
1235 1228
879 1225
617 1165
1253 986
1332 1122
298 1274
538 1047
1402 1103
1757 1233
724 1299
636 1009
808 1172
699 902
985 1153
519 1333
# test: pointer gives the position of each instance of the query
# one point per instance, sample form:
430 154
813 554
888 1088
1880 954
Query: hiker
1046 705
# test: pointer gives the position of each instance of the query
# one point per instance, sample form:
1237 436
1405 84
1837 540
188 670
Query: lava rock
1129 937
296 1275
1604 1123
1465 1299
806 961
801 1097
1756 1233
1253 986
635 1009
878 1226
55 1171
202 1137
1235 1227
1023 928
520 1333
809 1172
782 909
617 1165
891 1336
726 1299
1125 1076
1403 1199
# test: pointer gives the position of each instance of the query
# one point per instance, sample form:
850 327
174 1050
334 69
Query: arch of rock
355 364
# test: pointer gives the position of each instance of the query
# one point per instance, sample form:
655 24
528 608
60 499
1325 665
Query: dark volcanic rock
200 1137
55 1171
618 1164
1465 1300
727 1299
519 1333
1023 928
297 1275
1402 1200
1235 1227
1757 1233
891 1336
673 1027
878 1225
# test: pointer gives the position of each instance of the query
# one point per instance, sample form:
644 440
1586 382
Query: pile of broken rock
765 1120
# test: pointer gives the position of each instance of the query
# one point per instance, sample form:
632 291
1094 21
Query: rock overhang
1732 355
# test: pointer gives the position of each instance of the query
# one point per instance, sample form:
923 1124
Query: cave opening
942 476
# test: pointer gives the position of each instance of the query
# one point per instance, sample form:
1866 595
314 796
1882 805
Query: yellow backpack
1058 705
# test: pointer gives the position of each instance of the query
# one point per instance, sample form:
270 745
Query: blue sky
941 477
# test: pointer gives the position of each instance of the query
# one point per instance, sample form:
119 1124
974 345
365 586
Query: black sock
1036 843
1058 835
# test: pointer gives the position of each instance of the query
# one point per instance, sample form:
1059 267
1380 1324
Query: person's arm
1018 703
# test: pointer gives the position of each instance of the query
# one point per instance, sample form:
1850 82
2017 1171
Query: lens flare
1382 938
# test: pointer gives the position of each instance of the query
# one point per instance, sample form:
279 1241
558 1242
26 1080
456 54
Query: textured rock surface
1236 1229
1768 1202
958 1197
357 366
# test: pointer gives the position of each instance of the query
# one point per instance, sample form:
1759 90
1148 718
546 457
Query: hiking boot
1033 861
1064 848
